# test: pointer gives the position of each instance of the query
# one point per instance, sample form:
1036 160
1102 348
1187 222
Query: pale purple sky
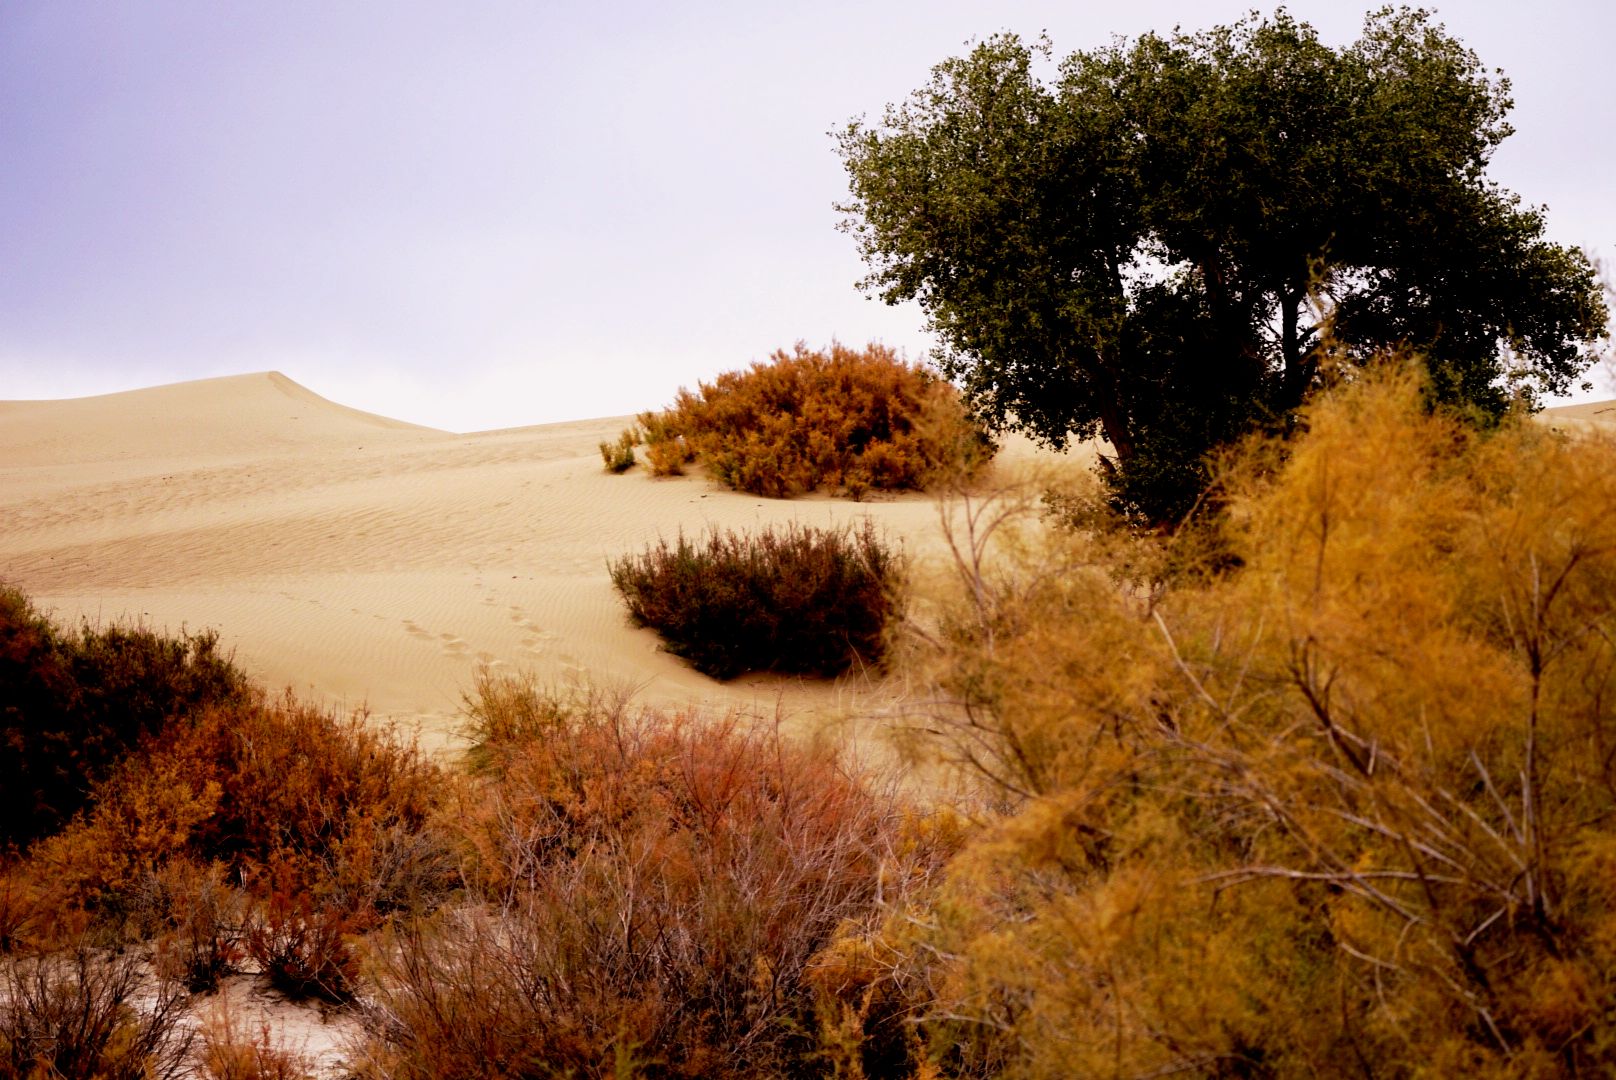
479 215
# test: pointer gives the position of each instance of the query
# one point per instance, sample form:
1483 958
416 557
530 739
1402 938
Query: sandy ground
367 562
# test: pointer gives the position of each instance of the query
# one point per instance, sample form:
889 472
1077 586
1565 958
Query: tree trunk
1298 367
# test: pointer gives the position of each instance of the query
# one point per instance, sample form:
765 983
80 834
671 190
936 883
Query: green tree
1145 245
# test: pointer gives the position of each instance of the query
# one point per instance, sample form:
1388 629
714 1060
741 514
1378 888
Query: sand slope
366 561
359 559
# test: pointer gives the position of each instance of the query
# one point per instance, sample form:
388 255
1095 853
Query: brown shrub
849 420
200 938
229 1052
653 887
88 1014
73 705
302 943
796 599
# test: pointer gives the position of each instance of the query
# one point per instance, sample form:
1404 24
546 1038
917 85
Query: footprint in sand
415 631
454 645
536 633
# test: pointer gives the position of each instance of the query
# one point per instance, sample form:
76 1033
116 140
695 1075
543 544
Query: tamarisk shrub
851 420
792 599
646 895
1347 805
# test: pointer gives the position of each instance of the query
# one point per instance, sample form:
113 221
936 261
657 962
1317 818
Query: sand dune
360 559
366 561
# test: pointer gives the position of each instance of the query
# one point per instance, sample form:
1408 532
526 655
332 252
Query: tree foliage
1145 247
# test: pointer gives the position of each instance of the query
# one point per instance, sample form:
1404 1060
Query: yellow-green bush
1349 808
845 419
619 455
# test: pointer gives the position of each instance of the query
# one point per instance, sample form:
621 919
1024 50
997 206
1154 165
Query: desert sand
365 562
369 563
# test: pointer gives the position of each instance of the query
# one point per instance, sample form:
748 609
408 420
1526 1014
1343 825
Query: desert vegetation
1338 802
1145 240
619 455
646 895
172 825
78 702
792 599
1324 787
848 420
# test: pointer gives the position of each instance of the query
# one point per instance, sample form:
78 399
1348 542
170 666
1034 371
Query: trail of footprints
535 641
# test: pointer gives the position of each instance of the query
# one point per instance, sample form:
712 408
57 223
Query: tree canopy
1146 244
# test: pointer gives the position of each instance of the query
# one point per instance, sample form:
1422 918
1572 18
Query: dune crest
229 415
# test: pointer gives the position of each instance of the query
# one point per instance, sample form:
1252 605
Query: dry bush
619 455
845 419
327 823
797 599
302 943
667 451
86 1014
203 924
651 888
73 705
229 1052
1348 807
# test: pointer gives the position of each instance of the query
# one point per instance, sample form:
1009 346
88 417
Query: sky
484 215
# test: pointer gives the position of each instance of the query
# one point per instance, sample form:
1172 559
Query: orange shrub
75 704
850 420
326 823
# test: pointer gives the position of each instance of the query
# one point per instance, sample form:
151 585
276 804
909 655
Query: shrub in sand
619 455
645 894
322 825
231 825
89 1014
846 419
795 599
72 705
